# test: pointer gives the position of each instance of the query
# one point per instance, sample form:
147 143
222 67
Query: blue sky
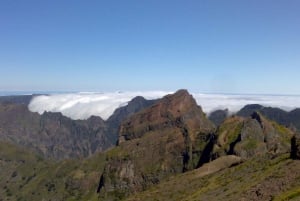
212 46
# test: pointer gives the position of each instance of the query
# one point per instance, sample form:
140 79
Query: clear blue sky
228 46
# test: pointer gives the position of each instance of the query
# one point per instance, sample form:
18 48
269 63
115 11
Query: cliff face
135 105
167 138
52 134
177 110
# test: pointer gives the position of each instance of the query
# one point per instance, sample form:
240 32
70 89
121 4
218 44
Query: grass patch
289 195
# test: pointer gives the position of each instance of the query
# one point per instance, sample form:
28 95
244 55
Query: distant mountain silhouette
218 116
18 99
290 119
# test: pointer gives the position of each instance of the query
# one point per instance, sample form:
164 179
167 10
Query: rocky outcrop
164 139
135 105
252 140
252 136
179 110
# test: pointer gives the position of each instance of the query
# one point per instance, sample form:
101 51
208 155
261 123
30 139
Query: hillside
259 179
27 176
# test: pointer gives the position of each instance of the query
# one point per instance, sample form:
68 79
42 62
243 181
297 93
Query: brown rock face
167 138
177 110
135 105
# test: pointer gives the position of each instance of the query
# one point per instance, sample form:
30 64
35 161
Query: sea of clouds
83 105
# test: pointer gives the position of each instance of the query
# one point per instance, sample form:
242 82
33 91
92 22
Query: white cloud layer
83 105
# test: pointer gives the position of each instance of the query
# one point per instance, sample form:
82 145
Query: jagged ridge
165 139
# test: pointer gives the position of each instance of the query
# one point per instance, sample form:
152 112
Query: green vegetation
289 195
285 133
228 133
234 132
250 144
26 175
229 184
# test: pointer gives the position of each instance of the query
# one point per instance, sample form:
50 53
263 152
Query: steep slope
135 105
163 140
179 109
252 136
263 178
27 176
52 134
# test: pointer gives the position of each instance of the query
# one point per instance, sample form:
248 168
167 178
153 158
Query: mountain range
164 149
56 136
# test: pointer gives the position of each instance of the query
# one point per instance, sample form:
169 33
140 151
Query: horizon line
53 92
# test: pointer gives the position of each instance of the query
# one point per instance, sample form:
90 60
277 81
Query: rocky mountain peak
137 99
135 105
166 138
171 110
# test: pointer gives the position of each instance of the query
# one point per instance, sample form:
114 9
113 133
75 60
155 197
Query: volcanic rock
164 139
135 105
252 136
